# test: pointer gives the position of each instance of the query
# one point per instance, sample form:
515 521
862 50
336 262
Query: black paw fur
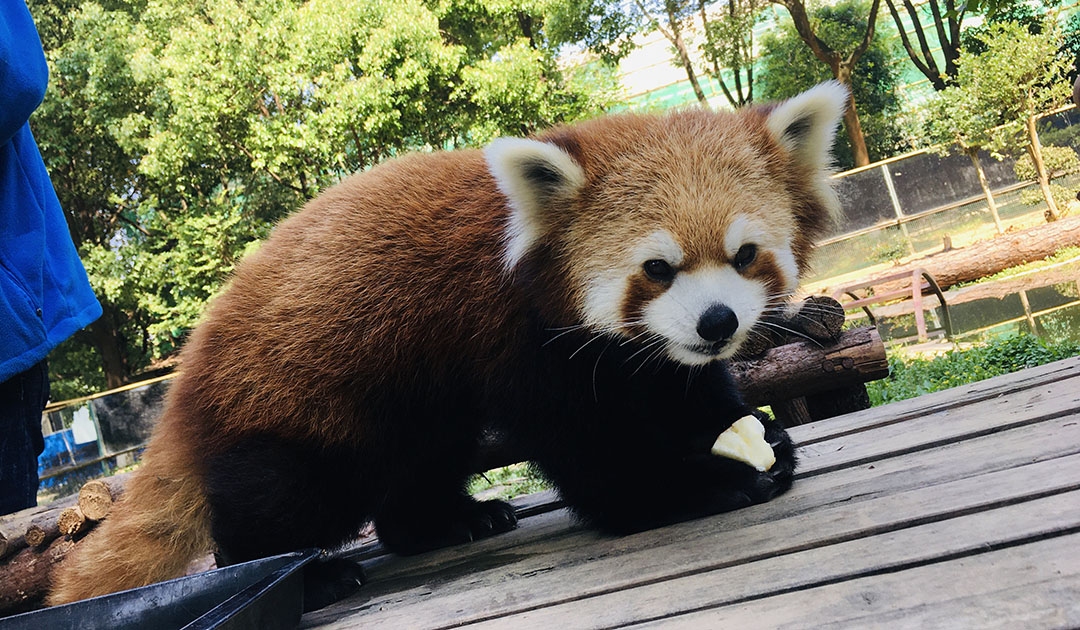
327 581
417 532
730 484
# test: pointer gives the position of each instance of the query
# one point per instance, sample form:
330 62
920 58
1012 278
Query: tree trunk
1035 151
973 153
684 57
109 345
851 120
800 369
988 257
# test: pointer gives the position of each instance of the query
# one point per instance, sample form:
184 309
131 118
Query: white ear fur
805 124
530 173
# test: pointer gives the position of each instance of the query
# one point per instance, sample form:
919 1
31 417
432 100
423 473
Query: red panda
576 292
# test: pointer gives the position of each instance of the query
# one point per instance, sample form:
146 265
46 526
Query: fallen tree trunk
11 546
72 521
986 257
24 580
51 531
799 369
13 527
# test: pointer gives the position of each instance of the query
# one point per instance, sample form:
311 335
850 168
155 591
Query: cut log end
71 521
96 499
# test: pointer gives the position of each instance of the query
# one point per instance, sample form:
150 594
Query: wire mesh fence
908 205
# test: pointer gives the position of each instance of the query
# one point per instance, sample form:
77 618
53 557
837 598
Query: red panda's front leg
628 486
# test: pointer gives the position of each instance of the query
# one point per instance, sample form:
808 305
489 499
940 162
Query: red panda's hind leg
269 495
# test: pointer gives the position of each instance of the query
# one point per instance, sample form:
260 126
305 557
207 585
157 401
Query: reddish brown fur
402 266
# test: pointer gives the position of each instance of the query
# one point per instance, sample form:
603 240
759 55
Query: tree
177 133
1019 75
956 119
674 13
787 67
729 43
946 26
841 62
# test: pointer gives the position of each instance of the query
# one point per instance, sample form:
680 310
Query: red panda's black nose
717 323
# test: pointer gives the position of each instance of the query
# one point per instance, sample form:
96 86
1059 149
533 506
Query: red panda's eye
746 255
659 270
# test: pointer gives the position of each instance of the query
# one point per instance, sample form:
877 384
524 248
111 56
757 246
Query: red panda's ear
533 175
805 124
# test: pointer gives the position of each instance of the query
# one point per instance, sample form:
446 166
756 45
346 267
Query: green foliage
1017 76
1019 13
1070 44
889 251
729 44
1034 196
1057 160
955 118
788 66
508 482
911 377
178 132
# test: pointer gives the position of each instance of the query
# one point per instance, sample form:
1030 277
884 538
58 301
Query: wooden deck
959 509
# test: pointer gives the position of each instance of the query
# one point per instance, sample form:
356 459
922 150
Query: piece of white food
745 441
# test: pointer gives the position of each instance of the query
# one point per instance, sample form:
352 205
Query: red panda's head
678 230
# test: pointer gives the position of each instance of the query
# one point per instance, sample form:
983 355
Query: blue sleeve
23 71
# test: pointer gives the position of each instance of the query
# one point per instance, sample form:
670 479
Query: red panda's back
391 271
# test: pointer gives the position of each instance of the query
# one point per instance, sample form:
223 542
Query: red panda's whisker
792 331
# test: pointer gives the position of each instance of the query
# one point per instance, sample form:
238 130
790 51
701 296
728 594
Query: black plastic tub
265 594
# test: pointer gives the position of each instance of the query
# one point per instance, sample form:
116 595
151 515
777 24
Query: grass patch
912 376
1060 255
507 482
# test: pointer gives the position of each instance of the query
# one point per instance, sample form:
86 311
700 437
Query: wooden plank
892 551
1051 603
940 427
950 462
528 579
964 395
1040 582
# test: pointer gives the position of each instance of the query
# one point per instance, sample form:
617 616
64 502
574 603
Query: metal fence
909 203
89 437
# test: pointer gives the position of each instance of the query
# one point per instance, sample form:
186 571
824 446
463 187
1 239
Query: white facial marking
604 294
744 230
789 269
675 314
659 245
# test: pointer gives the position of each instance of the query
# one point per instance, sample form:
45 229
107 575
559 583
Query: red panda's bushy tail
157 527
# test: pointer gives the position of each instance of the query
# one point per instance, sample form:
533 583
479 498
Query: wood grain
939 595
820 566
529 579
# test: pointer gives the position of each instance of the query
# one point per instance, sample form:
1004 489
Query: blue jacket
44 293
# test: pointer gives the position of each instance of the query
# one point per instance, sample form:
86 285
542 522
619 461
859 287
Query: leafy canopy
177 132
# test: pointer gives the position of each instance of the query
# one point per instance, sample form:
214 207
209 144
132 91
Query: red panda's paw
327 581
729 484
778 479
421 527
